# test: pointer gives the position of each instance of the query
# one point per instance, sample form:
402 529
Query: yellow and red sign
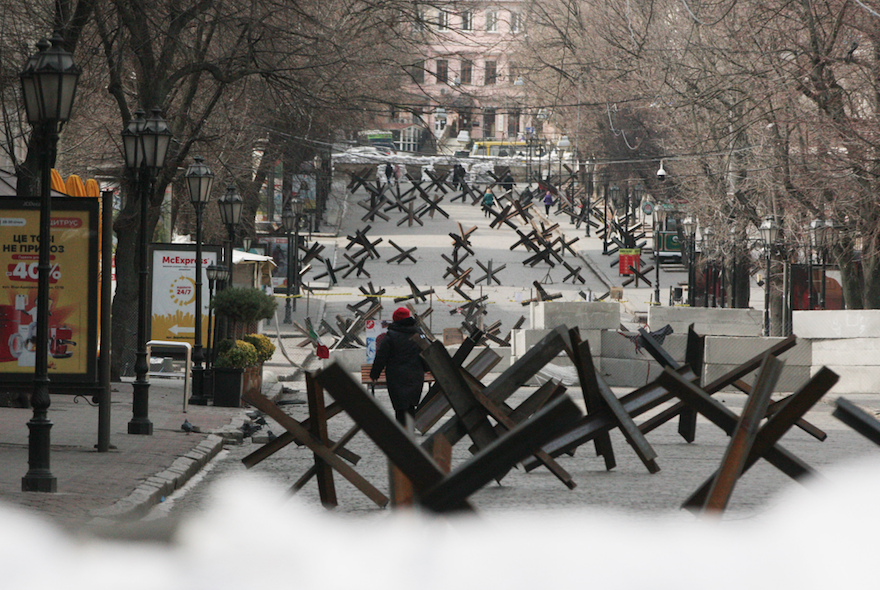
72 286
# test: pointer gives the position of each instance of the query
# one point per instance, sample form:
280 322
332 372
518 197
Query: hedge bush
236 354
264 346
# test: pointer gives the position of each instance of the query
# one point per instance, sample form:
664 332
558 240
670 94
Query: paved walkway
140 470
134 475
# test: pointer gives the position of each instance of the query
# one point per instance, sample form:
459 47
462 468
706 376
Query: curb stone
157 487
152 491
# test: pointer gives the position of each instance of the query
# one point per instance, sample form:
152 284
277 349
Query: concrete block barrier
832 324
586 315
708 321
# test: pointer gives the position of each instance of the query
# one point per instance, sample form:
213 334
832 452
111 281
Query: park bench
381 382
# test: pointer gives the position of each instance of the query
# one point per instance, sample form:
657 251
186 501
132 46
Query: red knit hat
399 314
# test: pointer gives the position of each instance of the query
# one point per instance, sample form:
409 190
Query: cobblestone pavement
141 471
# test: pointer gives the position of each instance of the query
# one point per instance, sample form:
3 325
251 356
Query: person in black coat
404 369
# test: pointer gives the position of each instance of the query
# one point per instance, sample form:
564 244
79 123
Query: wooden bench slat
365 376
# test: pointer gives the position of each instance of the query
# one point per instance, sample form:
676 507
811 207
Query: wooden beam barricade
579 352
743 436
627 425
722 417
735 375
857 419
318 429
686 429
496 460
303 436
693 357
403 254
511 379
635 403
765 442
376 423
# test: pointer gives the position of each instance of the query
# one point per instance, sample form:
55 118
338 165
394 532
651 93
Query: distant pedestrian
488 201
389 172
400 357
508 182
458 173
548 202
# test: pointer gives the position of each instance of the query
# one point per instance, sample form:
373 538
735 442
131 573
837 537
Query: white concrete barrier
724 353
624 365
828 324
586 315
856 360
708 321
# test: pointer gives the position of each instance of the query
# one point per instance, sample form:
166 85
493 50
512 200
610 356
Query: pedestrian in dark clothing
548 202
508 182
458 174
488 201
404 368
389 172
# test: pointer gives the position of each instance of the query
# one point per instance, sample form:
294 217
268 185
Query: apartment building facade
465 84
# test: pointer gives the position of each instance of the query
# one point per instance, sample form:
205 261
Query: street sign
173 301
628 257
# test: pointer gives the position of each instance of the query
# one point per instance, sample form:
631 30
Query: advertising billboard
173 305
73 289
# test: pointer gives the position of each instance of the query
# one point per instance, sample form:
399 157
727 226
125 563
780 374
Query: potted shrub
242 308
265 348
253 376
237 363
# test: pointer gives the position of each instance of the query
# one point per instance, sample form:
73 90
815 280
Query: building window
488 123
442 20
515 22
513 118
442 71
419 24
467 21
491 21
467 71
511 72
417 72
491 73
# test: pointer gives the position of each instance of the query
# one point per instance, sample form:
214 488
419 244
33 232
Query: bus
499 149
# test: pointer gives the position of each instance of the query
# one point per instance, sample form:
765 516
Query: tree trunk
125 301
850 277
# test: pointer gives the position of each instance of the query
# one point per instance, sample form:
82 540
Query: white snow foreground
816 537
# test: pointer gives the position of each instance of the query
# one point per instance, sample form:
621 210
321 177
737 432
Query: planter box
231 384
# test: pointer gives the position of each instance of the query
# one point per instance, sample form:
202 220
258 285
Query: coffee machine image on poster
18 331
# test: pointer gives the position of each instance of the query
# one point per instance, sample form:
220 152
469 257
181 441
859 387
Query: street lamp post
614 195
829 237
217 274
213 272
145 143
769 230
605 212
636 195
818 241
541 116
221 278
290 220
588 202
230 205
708 272
689 225
563 144
199 180
48 83
659 221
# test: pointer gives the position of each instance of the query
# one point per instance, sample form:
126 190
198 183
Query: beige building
466 85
